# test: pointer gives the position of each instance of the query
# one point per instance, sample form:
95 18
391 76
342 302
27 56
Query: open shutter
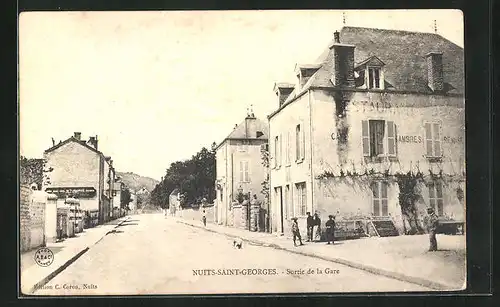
247 178
302 141
391 138
241 171
437 139
428 139
281 150
383 192
366 138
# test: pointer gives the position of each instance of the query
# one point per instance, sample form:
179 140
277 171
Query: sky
158 86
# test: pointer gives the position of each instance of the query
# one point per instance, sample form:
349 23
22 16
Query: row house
239 166
80 170
374 129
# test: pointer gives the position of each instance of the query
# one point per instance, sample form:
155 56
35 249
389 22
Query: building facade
80 170
239 165
375 129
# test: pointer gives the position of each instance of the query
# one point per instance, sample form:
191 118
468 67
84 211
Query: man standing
296 232
432 224
310 226
330 230
317 227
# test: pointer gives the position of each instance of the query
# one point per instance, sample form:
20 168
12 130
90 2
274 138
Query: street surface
151 254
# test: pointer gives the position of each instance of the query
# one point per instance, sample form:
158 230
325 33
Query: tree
195 178
33 171
408 196
125 198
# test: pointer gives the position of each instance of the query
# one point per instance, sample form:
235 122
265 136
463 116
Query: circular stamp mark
44 257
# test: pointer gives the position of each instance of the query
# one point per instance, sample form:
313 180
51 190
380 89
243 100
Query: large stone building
377 121
80 170
239 165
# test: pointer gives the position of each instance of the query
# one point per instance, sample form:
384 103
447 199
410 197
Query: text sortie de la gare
227 272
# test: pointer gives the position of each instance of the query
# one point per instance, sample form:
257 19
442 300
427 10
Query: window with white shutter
242 171
297 142
436 197
432 140
246 175
380 205
379 138
276 151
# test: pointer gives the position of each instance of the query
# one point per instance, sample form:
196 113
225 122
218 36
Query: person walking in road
204 217
317 227
310 226
330 229
432 223
296 232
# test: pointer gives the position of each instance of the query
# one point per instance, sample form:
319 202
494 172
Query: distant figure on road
330 230
310 226
317 227
204 217
432 223
296 232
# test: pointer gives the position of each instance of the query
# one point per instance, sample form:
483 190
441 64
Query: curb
394 275
61 268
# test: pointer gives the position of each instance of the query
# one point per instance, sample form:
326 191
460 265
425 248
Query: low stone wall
195 214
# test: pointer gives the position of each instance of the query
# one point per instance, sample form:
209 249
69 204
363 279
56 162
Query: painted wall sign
410 139
79 192
453 140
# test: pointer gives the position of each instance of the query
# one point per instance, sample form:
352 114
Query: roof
240 133
73 139
402 52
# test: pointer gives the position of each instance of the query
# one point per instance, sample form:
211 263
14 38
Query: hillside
136 182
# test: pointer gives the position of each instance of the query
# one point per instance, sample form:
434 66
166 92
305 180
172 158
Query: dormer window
369 74
374 77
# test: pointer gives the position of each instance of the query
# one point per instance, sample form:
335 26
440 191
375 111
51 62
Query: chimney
343 62
95 143
283 90
336 37
435 71
77 135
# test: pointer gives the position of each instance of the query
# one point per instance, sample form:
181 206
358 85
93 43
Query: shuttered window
380 205
378 138
433 139
276 151
244 175
436 197
297 142
301 198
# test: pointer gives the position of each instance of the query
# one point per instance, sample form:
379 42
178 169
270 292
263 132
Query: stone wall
195 214
32 218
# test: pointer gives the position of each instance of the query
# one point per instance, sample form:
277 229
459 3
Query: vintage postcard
235 152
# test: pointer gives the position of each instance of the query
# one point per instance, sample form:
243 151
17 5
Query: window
374 77
276 152
433 140
301 198
300 143
379 138
379 190
280 159
436 197
287 205
287 154
244 177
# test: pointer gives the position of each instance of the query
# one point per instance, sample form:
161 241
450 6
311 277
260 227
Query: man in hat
432 224
330 229
310 226
296 232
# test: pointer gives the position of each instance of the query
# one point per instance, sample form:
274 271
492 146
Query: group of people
314 229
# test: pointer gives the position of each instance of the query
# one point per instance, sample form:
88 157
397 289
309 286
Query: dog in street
238 243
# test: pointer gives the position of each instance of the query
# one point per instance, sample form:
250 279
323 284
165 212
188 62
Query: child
296 232
204 217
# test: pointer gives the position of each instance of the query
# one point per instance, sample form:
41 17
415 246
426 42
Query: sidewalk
404 257
65 253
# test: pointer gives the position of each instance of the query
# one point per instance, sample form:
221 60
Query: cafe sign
77 192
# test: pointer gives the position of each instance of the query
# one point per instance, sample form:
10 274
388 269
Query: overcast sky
157 86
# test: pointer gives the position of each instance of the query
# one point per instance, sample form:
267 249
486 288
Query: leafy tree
125 198
265 184
33 171
195 178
